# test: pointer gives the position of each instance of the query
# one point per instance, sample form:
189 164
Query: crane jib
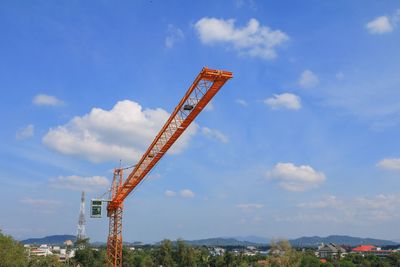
203 89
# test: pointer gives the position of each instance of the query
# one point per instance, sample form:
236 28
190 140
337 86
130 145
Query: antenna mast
80 232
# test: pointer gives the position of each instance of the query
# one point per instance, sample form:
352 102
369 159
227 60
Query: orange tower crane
203 89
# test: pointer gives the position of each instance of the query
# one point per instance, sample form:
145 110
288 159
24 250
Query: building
43 250
69 243
331 250
365 248
63 256
216 251
371 250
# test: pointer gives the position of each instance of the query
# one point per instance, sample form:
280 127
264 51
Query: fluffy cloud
253 40
26 132
215 134
379 25
284 101
389 164
187 193
249 206
296 178
123 132
169 193
79 183
383 24
308 79
46 100
174 35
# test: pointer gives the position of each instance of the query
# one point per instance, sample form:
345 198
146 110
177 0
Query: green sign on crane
95 208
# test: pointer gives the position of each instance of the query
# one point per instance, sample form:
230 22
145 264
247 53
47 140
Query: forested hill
315 241
50 240
223 242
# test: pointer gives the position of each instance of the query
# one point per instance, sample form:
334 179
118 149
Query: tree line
179 254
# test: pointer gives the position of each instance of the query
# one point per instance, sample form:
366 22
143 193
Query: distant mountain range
340 240
223 242
241 241
298 242
253 239
50 240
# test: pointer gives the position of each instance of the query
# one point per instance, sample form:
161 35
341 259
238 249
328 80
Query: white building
43 250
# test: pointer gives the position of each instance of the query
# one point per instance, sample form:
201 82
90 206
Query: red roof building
364 248
371 250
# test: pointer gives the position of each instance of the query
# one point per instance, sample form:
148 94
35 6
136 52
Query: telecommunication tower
80 232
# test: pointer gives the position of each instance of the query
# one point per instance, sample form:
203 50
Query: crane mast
203 89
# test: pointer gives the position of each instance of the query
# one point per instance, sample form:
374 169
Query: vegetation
179 254
11 253
49 261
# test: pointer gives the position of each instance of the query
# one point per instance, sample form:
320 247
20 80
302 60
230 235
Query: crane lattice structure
80 231
203 89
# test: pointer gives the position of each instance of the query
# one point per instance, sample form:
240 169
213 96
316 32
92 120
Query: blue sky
302 141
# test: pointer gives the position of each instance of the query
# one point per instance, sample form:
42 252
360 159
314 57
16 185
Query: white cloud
389 164
249 206
241 102
252 40
383 24
308 79
360 210
379 202
296 178
123 132
174 35
326 202
379 25
215 134
46 100
187 193
284 101
169 193
26 132
40 202
42 205
79 183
